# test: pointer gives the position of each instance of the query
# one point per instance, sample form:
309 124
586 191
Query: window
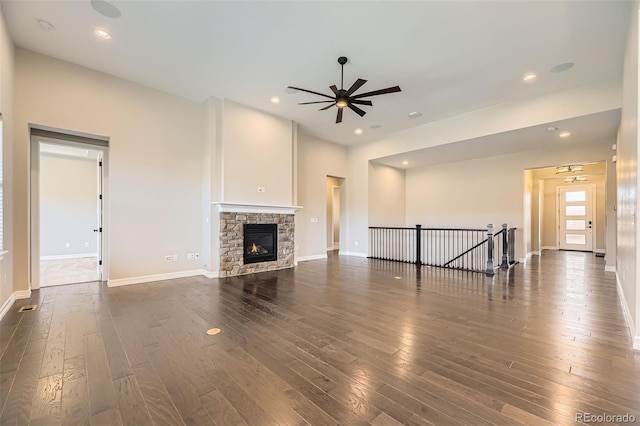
573 196
576 210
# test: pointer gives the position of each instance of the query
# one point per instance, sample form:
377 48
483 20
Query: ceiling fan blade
378 92
356 109
355 86
315 102
339 116
327 107
360 102
310 91
334 89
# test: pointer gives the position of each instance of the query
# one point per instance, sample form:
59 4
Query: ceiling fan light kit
342 98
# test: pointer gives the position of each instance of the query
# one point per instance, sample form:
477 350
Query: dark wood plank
46 407
118 361
101 391
161 407
133 409
75 401
19 401
221 410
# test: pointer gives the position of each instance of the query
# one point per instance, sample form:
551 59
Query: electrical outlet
261 189
67 245
168 258
314 220
86 243
196 256
191 256
356 244
175 257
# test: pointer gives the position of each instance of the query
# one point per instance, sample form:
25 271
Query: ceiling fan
345 98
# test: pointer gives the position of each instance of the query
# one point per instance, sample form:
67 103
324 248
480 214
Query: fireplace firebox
260 243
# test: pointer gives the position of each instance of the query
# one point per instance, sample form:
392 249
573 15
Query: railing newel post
418 245
505 247
490 270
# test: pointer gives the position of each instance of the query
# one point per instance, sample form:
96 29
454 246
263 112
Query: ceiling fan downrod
342 60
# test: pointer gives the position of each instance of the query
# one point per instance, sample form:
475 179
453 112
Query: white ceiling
601 127
448 57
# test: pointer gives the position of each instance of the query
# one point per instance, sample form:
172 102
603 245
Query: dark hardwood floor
340 341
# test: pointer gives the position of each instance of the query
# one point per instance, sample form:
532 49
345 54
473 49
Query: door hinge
100 163
100 196
99 262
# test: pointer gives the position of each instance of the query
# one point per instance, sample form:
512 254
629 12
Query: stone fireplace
270 228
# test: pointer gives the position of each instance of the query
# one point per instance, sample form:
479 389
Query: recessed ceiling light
102 33
562 67
375 126
404 163
358 132
564 134
275 100
45 25
551 129
415 114
106 9
530 76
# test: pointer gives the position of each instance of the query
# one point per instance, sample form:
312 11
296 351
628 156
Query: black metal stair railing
479 250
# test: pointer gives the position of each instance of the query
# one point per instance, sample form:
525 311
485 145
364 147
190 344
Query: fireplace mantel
254 208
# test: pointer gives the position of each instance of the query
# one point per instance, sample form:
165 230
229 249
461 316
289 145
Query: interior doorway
334 208
68 195
560 216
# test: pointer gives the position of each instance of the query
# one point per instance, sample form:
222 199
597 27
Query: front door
576 217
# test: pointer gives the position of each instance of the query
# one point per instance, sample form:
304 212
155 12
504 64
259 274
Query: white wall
627 179
155 161
477 192
7 111
68 205
316 160
257 151
387 197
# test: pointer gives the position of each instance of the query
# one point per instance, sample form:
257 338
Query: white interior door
576 219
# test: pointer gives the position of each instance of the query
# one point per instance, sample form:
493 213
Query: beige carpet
68 271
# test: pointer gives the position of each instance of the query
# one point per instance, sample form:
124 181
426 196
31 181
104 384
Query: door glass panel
576 225
576 210
572 196
576 239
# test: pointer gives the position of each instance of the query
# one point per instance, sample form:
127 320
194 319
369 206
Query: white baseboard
352 253
69 256
157 277
210 274
549 248
608 268
313 257
330 249
533 253
627 314
603 251
16 295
